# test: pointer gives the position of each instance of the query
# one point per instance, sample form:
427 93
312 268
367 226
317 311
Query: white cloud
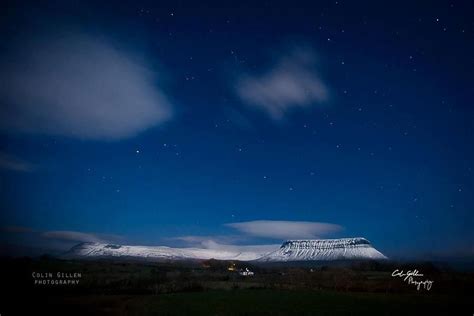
293 82
13 163
225 243
79 86
285 229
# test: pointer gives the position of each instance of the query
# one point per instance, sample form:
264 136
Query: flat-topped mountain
324 250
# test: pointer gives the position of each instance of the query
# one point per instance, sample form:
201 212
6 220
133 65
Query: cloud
12 163
292 82
22 240
224 243
79 86
285 229
18 229
262 249
211 244
79 236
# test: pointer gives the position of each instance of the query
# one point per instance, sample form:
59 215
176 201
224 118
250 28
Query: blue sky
156 124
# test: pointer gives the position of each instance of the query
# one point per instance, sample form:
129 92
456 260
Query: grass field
263 302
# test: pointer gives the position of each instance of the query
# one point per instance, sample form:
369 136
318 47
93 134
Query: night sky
165 123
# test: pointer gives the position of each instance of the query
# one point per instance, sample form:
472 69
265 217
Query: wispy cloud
212 244
285 229
18 229
10 162
225 243
293 82
23 240
67 235
79 86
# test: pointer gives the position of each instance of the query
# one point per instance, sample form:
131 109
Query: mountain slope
97 250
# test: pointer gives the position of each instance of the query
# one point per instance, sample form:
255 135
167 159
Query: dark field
208 288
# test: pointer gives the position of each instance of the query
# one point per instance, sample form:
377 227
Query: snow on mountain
324 250
291 250
97 250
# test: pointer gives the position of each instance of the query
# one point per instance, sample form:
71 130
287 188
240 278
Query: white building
246 272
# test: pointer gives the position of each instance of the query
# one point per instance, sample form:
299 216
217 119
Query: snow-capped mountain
324 250
291 250
100 250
